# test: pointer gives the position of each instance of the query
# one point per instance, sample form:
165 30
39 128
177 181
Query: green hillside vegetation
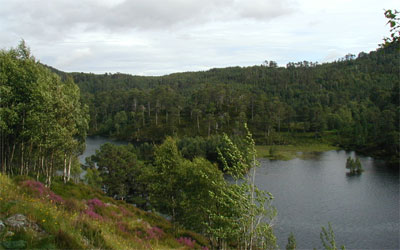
352 103
76 216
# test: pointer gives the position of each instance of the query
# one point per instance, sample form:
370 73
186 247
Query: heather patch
38 189
187 242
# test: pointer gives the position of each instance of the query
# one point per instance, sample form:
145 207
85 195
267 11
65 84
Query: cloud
49 19
264 10
152 37
73 57
332 55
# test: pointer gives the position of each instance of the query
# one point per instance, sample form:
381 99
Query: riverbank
288 152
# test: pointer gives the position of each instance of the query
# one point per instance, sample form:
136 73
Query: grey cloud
264 10
49 19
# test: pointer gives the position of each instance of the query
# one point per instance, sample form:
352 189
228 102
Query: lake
310 192
93 143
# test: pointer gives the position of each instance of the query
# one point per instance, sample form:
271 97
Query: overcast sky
156 37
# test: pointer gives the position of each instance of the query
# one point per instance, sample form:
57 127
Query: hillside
76 216
352 103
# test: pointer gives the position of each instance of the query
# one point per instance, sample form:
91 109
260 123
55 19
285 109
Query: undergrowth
76 216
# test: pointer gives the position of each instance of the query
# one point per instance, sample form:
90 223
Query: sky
150 37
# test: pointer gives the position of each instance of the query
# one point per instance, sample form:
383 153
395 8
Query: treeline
356 99
43 125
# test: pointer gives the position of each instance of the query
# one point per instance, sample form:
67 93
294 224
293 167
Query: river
363 209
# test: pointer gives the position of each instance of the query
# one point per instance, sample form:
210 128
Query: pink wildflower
186 241
92 214
42 191
95 203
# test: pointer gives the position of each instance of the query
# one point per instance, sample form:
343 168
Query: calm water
93 143
363 210
309 193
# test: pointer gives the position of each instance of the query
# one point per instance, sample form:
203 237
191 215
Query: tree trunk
209 128
252 110
11 158
252 227
22 159
50 170
65 169
3 164
69 167
198 123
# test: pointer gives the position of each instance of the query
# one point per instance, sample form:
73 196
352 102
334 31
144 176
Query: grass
297 145
288 152
75 216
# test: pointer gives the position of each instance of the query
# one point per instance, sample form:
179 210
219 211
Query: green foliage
272 151
328 239
291 245
119 170
43 123
18 244
351 103
76 190
195 194
248 213
65 240
232 158
394 23
92 178
354 165
169 176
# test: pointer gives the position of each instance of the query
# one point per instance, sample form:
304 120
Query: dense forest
353 101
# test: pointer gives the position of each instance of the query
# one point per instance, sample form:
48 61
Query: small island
354 165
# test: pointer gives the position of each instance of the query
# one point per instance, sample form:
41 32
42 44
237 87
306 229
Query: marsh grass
288 152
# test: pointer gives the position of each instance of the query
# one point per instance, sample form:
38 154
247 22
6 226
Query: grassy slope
75 216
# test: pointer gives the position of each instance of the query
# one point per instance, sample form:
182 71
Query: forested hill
354 100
